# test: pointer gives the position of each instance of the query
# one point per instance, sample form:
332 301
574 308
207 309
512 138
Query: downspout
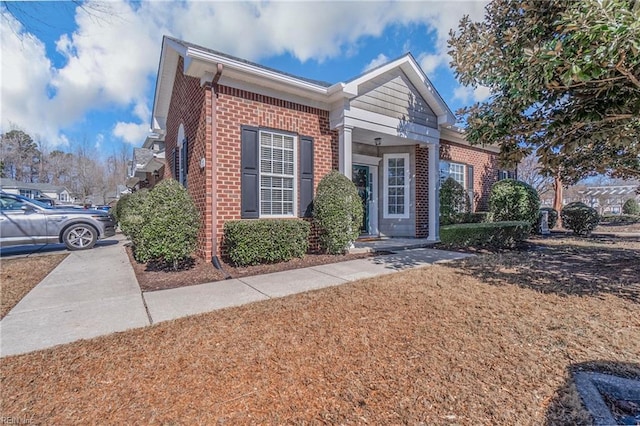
214 176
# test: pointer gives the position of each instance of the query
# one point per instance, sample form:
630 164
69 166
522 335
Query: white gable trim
417 77
199 62
380 123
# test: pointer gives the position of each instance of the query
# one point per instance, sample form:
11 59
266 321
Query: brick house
252 142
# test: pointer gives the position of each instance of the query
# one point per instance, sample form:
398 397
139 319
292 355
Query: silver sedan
25 221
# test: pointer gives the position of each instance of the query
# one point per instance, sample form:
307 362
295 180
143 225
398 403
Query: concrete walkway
95 292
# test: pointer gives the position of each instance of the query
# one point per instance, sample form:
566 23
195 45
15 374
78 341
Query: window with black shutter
273 177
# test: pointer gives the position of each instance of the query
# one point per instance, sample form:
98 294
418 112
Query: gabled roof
408 64
205 63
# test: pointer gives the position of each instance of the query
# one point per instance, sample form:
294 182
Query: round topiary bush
579 218
454 201
171 223
337 212
513 200
552 215
129 213
631 206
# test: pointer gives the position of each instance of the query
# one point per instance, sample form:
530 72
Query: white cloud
132 133
111 62
376 62
466 94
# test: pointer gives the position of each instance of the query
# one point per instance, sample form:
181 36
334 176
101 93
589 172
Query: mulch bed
153 276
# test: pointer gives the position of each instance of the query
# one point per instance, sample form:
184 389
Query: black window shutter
175 165
306 176
185 160
250 173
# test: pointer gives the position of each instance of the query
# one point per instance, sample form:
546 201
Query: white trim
366 160
373 204
379 123
407 186
295 177
434 193
345 151
179 143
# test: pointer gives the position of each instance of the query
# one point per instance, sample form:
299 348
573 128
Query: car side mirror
27 208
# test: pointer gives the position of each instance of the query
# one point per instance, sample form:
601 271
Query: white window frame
448 173
294 212
407 174
182 173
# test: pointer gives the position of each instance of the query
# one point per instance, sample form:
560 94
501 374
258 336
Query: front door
360 178
365 179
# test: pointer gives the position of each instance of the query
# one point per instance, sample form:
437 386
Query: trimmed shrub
579 218
337 212
170 227
493 234
454 202
631 207
511 200
251 242
130 211
475 217
619 218
120 206
552 215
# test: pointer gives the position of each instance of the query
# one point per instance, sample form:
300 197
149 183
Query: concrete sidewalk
95 292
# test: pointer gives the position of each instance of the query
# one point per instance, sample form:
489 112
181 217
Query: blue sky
73 74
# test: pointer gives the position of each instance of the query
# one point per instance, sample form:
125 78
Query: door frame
373 203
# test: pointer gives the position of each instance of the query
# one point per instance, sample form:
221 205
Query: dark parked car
26 221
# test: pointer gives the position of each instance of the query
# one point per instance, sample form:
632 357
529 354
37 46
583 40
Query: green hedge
469 217
454 202
337 212
579 218
511 200
631 207
251 242
619 218
170 226
493 234
130 214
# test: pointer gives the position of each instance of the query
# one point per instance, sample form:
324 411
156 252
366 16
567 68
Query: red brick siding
191 106
422 191
237 107
485 168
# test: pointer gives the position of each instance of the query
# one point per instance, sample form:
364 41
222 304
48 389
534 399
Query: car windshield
32 201
41 204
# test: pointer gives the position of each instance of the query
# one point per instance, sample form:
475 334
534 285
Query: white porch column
345 150
434 196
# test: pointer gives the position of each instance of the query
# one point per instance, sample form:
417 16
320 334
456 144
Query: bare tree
530 171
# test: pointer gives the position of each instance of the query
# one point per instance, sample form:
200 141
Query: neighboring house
609 199
252 142
36 190
147 165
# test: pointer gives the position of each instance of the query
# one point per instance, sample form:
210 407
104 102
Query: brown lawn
490 340
18 276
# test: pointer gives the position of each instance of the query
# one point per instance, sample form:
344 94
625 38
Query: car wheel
79 237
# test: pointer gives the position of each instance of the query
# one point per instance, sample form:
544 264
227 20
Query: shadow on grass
571 268
407 259
566 406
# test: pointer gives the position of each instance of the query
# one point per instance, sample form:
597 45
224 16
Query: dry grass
19 276
448 344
